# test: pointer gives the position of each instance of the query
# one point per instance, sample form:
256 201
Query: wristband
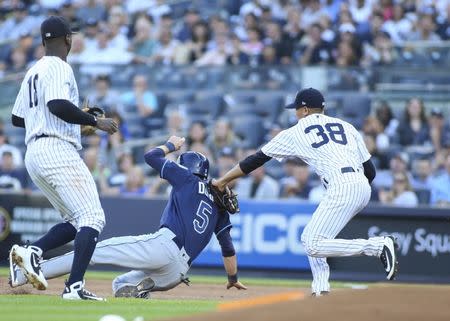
233 278
170 146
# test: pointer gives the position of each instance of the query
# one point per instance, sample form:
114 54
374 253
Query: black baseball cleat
389 257
76 291
141 290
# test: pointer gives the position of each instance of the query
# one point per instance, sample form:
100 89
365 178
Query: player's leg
29 256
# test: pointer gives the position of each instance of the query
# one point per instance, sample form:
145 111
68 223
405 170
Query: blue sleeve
174 173
222 223
226 243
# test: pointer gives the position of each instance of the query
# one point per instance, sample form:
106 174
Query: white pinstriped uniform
53 162
328 145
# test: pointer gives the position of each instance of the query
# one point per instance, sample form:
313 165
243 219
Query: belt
40 136
178 243
347 170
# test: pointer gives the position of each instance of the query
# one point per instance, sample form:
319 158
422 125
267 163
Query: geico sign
266 233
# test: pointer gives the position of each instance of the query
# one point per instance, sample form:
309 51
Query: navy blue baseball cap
54 27
309 97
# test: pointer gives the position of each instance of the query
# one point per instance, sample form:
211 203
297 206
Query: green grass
50 308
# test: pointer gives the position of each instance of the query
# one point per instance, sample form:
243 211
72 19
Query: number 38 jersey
50 78
325 143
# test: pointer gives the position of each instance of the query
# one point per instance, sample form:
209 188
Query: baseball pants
57 169
345 197
149 255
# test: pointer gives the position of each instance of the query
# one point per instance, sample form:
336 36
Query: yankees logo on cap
309 97
54 27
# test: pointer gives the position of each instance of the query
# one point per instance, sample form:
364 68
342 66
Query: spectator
77 52
258 185
223 136
443 21
68 11
241 30
401 193
225 160
315 50
175 122
422 171
103 96
142 100
373 127
439 129
397 164
191 18
254 45
440 187
91 159
414 129
425 29
125 163
297 185
292 30
11 177
399 27
236 55
216 56
375 26
13 150
91 10
18 60
283 45
18 23
253 7
347 34
166 46
312 13
143 46
360 10
117 38
346 55
386 117
135 184
196 134
200 38
269 56
90 32
381 53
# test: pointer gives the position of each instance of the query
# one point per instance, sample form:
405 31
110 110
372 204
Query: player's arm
18 114
369 170
70 113
229 259
167 169
17 121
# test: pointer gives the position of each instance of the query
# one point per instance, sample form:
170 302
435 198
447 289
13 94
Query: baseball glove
87 130
225 200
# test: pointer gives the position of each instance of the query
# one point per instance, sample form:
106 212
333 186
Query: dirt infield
393 303
192 292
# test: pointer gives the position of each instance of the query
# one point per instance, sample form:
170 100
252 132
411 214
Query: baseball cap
54 27
309 97
437 112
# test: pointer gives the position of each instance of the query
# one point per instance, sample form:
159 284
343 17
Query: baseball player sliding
336 151
47 107
160 261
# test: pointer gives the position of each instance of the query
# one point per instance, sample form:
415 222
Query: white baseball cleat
141 290
389 257
76 291
27 258
13 272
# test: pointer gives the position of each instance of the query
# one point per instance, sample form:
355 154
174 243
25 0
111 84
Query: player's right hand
107 125
177 141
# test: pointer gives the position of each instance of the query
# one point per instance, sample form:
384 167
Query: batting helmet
196 163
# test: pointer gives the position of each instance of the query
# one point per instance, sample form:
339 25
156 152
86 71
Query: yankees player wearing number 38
47 107
336 151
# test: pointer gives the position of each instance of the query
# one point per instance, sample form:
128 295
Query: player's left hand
177 141
238 285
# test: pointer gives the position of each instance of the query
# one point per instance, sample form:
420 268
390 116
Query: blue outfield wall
266 235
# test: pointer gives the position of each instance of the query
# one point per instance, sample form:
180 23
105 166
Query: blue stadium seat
355 108
250 128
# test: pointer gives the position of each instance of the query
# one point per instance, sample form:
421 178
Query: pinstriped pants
57 169
343 200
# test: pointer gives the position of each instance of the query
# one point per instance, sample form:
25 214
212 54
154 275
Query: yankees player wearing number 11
47 107
336 151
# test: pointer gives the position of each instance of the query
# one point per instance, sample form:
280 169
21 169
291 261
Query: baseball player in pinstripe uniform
47 107
336 151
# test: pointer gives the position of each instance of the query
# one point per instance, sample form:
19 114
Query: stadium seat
250 128
355 108
269 106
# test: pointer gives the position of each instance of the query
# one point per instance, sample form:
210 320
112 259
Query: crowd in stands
411 149
259 32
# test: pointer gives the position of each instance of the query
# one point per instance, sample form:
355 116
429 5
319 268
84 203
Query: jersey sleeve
281 146
223 223
57 86
19 108
174 173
